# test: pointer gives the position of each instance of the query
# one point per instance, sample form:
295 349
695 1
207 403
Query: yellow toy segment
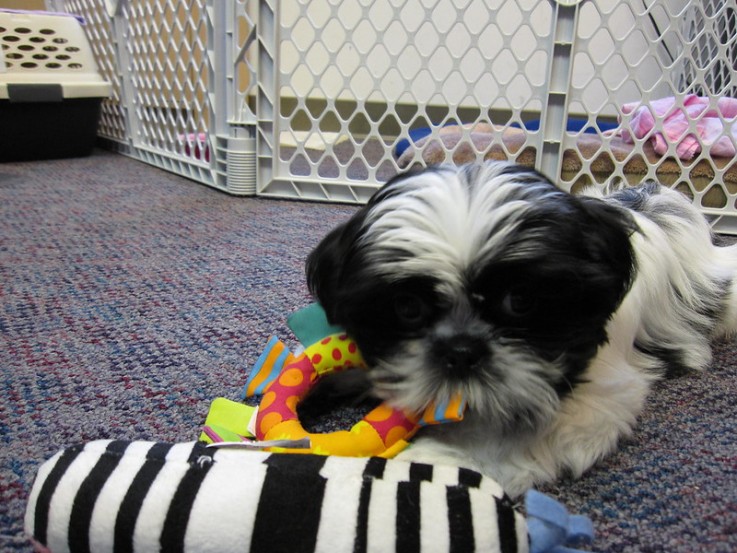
334 353
284 381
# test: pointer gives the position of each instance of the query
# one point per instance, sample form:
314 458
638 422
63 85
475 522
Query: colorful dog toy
107 496
113 495
284 380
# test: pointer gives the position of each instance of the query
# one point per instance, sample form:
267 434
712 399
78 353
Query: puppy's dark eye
519 302
410 309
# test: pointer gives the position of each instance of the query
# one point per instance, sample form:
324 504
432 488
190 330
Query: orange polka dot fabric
280 400
391 424
277 414
383 430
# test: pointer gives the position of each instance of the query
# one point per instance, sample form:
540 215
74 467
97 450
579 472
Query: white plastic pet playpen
326 99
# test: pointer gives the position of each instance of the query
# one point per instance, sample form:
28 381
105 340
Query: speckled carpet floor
130 298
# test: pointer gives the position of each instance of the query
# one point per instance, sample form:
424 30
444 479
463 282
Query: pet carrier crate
326 99
50 89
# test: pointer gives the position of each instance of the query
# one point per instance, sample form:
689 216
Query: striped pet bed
119 496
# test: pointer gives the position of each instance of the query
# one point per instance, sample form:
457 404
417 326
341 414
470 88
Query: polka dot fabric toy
279 404
113 495
285 380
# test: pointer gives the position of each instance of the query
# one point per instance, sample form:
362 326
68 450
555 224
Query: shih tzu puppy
552 313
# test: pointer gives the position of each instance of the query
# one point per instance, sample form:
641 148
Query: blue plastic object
551 528
573 125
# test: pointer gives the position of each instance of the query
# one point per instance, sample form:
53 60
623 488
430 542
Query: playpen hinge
236 161
554 117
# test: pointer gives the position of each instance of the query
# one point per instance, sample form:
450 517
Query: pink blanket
714 129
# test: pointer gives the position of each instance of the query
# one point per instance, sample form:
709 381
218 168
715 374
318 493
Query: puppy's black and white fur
553 314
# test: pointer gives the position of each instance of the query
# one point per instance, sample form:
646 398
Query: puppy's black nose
460 355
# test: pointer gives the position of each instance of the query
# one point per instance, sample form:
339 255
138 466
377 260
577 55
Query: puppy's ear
336 259
327 263
606 233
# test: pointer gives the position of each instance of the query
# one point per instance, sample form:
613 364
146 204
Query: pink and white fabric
712 125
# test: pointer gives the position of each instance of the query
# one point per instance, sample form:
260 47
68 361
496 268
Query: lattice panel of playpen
184 78
357 77
644 52
155 52
99 29
354 79
166 42
330 98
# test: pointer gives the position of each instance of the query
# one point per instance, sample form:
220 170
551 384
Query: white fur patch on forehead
440 221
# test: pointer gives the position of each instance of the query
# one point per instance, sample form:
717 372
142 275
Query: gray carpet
130 298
